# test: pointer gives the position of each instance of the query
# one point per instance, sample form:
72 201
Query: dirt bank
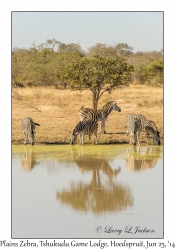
57 112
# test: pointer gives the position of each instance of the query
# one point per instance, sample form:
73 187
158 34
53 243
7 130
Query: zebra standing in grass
147 126
99 115
87 127
134 127
28 127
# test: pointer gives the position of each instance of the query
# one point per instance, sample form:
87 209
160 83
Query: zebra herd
88 125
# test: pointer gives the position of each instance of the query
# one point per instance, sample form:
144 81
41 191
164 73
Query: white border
5 95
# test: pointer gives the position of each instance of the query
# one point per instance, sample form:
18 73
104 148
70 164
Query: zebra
134 127
28 127
148 126
86 127
150 131
99 115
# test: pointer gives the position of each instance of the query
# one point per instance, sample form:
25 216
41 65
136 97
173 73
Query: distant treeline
39 65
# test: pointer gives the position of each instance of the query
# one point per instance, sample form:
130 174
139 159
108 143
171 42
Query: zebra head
157 137
73 138
115 107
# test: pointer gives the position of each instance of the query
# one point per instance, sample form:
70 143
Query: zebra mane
153 131
154 125
107 105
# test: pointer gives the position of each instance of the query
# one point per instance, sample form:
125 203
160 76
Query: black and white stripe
87 127
28 128
151 130
134 128
99 115
147 126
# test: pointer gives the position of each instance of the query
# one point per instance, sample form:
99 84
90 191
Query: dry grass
57 112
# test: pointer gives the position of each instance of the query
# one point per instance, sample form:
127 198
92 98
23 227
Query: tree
51 43
99 74
118 50
150 72
70 47
38 65
101 49
19 62
123 49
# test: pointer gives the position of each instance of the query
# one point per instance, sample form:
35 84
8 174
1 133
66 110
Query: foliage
39 64
150 72
99 74
118 50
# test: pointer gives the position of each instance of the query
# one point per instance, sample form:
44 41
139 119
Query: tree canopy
98 74
150 72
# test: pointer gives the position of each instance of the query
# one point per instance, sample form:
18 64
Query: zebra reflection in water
137 161
87 163
28 159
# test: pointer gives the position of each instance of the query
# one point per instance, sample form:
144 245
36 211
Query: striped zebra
134 127
151 131
147 126
99 115
87 127
28 128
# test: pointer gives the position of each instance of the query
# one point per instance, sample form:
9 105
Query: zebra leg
82 138
95 134
25 137
32 137
138 135
80 135
131 138
134 140
147 136
103 126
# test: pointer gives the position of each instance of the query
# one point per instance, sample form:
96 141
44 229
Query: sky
141 30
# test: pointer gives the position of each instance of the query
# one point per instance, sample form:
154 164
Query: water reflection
138 161
86 162
99 195
88 184
28 159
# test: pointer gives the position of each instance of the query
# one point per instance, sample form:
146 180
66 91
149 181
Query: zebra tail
37 124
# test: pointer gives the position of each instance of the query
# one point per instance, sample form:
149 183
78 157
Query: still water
90 191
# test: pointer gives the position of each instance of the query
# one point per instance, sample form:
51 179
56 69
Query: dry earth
57 112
